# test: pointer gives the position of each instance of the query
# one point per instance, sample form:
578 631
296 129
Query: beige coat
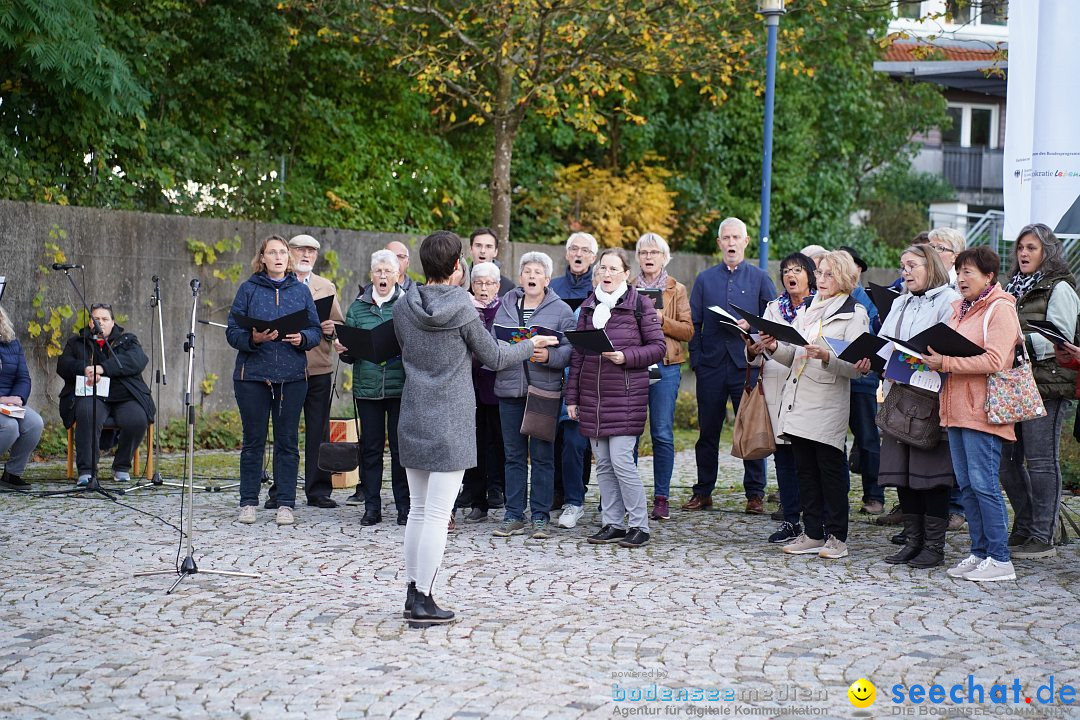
319 357
774 373
815 401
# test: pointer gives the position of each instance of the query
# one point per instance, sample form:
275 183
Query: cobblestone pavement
548 629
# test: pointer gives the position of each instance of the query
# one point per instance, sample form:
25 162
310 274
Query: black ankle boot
410 599
425 612
913 535
933 550
13 482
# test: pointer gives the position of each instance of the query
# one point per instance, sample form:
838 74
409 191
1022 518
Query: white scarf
380 299
809 322
604 302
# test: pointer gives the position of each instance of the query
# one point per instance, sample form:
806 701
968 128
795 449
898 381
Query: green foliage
686 411
51 321
213 431
897 204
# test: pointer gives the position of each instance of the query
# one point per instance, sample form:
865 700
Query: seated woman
813 409
377 393
529 304
20 435
117 355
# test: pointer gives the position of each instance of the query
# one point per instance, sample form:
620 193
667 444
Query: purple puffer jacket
612 399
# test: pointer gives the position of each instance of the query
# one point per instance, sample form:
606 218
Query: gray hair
583 236
7 330
731 221
383 257
537 257
653 240
1053 262
486 269
949 236
812 251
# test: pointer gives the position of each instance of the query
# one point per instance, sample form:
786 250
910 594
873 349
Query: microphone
156 279
195 284
62 266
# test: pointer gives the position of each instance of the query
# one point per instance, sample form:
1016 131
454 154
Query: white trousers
431 500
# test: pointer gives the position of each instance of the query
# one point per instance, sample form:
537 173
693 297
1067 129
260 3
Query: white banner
1042 125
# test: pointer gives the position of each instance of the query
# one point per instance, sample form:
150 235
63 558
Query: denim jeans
258 403
662 396
21 436
861 416
976 460
715 386
519 450
787 479
1031 472
574 458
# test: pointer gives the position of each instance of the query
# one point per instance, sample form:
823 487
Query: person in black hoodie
126 405
270 377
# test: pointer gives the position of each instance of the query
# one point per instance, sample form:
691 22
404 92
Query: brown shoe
755 506
698 502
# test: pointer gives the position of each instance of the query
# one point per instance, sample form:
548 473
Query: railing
973 168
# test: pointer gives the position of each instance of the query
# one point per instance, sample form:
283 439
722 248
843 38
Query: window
972 125
908 9
977 12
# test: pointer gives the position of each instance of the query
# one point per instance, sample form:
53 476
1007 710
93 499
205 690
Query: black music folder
883 299
943 339
285 325
323 306
657 296
376 345
590 341
781 331
866 345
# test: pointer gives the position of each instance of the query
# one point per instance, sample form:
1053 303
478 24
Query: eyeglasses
384 273
485 283
276 252
793 271
942 248
579 250
823 275
649 253
608 271
910 267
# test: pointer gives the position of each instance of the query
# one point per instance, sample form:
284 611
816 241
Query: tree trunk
505 132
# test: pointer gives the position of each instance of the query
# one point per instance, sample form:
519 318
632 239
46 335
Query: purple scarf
660 283
965 305
787 310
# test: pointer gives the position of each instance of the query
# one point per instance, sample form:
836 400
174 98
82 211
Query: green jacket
372 381
1054 381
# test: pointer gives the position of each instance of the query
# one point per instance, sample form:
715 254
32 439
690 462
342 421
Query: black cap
855 256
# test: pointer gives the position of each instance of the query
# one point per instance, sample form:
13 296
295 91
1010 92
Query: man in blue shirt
718 359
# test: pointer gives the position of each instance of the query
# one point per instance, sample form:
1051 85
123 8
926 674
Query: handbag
752 436
541 417
1012 395
910 415
339 457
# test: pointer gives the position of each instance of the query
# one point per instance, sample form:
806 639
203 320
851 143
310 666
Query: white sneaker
570 516
990 570
833 549
285 516
247 514
964 567
804 545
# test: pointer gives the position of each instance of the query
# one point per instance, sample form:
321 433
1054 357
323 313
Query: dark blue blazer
747 286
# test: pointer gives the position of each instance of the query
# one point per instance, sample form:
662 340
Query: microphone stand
188 566
159 380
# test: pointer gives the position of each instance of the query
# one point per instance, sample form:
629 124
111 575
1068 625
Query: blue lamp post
772 10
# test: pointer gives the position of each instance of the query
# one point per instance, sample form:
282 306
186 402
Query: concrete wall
122 251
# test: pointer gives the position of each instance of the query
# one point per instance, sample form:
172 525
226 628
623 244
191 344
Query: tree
496 62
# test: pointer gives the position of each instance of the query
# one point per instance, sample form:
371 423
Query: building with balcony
960 45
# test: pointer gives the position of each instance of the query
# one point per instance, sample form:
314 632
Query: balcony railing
973 168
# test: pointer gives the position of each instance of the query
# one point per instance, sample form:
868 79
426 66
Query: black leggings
933 501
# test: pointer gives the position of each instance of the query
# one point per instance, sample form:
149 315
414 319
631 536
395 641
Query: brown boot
698 502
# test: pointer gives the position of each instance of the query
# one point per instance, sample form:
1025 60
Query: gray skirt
910 467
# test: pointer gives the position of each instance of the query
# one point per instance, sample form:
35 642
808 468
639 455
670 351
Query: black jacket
124 365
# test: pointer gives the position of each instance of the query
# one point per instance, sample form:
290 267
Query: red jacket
612 399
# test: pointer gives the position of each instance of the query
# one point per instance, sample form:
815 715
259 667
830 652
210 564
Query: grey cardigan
553 314
437 326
